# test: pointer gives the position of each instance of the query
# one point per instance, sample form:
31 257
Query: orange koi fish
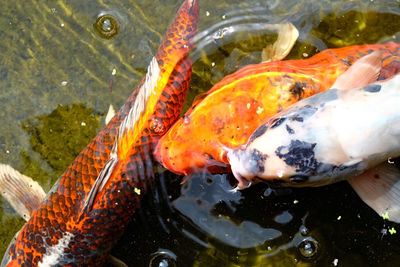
89 207
231 111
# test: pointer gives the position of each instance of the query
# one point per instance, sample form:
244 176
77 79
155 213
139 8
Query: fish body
333 135
232 110
89 207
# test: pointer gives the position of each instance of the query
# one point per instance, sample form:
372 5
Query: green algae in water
61 135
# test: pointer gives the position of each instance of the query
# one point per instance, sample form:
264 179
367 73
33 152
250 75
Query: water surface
59 75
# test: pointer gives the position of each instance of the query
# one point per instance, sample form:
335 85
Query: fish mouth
242 182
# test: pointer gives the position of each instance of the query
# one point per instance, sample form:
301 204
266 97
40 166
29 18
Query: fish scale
85 239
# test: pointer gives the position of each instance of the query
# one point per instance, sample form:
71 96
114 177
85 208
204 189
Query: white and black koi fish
343 133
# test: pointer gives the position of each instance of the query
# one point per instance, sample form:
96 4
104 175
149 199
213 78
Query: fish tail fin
22 192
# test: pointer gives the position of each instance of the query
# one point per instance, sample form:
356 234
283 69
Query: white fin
110 114
23 193
287 37
363 72
380 189
115 262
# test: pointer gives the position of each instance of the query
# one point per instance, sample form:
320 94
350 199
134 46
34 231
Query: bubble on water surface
107 25
308 247
163 258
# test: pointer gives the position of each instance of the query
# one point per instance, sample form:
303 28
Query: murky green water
58 77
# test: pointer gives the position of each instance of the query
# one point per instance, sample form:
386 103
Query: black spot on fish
300 155
289 130
302 113
297 117
260 131
256 161
297 90
276 122
372 88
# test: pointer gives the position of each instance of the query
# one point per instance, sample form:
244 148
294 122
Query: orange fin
363 72
380 189
22 192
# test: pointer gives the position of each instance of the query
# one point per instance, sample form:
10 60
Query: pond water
59 75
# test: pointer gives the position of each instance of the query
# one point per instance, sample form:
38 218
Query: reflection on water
58 77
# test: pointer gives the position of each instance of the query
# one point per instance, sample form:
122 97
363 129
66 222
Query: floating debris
385 215
110 114
392 231
137 190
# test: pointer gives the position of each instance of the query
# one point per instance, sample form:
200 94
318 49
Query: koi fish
89 207
232 110
332 136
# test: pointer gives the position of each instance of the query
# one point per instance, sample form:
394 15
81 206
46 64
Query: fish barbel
229 113
335 135
89 207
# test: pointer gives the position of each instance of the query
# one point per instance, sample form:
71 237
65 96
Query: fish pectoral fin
361 73
101 180
380 189
287 37
22 192
115 262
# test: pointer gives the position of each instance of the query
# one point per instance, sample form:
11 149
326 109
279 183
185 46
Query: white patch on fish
151 80
54 253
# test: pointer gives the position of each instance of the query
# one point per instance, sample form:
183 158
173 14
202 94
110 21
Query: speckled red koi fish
89 207
232 109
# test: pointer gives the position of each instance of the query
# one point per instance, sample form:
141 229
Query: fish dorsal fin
363 72
380 189
22 192
287 37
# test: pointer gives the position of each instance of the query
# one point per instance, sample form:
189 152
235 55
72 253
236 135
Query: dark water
59 75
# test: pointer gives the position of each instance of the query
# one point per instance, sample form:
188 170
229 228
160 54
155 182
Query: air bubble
308 248
107 26
163 258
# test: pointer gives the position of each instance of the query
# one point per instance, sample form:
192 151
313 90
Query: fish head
296 147
263 157
181 150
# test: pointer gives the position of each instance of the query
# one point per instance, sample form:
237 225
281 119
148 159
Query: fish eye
298 178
